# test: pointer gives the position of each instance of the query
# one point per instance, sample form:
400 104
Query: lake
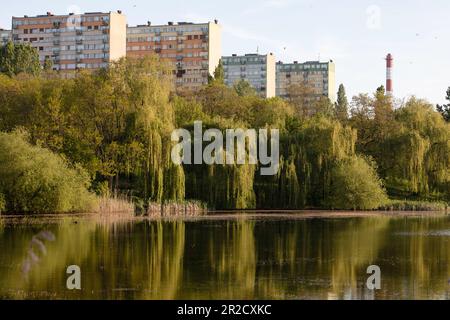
304 255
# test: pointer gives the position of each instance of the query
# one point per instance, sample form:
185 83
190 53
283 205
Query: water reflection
240 257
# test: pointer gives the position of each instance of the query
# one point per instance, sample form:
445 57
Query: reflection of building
85 41
258 70
194 50
319 76
5 36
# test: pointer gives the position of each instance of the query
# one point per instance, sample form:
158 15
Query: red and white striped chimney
389 66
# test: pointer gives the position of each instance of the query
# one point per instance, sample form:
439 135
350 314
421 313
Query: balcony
79 51
79 41
105 31
57 33
79 32
56 43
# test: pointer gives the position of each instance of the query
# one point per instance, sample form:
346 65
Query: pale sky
357 35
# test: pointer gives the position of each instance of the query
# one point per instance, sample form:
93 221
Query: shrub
35 180
355 185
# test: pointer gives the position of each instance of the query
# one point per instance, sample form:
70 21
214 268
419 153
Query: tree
48 64
445 109
219 74
355 185
324 107
19 58
341 104
301 96
35 180
244 88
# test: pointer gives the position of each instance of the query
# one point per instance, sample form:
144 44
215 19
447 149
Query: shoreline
226 214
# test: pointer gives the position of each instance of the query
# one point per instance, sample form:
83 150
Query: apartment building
75 41
258 70
5 36
319 76
193 50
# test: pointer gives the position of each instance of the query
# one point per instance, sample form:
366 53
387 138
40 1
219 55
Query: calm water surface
234 256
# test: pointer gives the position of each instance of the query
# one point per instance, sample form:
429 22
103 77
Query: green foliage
341 106
444 110
244 88
19 58
48 64
410 145
34 180
219 74
116 123
309 152
355 185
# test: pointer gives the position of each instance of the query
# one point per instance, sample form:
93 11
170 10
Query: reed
414 205
116 205
176 208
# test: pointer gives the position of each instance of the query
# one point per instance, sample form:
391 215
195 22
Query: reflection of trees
423 253
117 260
353 250
69 247
232 256
314 258
230 259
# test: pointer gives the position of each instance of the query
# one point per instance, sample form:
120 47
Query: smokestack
389 66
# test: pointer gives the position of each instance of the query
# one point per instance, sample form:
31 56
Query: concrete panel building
193 50
5 36
258 70
85 41
319 76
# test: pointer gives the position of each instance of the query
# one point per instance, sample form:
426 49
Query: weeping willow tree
222 186
309 152
123 116
416 156
117 123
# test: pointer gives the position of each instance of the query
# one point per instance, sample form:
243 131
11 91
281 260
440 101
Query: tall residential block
193 50
5 36
75 41
256 69
319 76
